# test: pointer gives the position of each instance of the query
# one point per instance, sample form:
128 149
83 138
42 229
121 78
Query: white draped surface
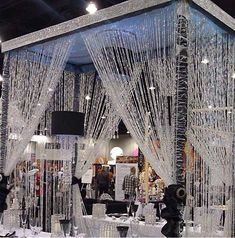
106 227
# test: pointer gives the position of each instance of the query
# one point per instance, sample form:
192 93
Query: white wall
126 143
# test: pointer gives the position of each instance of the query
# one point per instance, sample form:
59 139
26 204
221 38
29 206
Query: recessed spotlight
88 97
233 76
91 8
39 104
151 88
229 112
50 89
209 106
205 61
103 117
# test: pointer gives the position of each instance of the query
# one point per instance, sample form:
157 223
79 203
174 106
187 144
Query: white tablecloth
28 233
94 226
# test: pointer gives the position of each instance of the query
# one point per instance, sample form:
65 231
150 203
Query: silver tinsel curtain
139 60
135 60
33 77
210 155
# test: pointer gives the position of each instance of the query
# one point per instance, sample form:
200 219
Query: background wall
126 143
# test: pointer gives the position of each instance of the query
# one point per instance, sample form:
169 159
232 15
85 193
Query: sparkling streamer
210 127
137 67
34 76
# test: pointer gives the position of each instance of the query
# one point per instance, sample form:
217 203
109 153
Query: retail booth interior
148 86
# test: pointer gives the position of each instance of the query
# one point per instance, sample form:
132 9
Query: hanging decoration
137 67
49 162
34 74
101 120
210 156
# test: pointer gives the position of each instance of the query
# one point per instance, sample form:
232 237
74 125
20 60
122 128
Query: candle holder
55 225
122 230
65 227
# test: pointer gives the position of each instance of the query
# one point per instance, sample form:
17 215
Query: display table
96 226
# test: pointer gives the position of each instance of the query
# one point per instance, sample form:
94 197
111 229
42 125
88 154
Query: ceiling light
209 106
88 97
39 104
91 8
103 117
233 76
205 61
151 88
229 112
50 89
1 78
128 132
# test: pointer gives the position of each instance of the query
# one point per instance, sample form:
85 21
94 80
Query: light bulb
103 117
209 106
233 76
91 8
151 88
88 97
205 61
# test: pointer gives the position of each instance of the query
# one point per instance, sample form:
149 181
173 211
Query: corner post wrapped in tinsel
175 194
